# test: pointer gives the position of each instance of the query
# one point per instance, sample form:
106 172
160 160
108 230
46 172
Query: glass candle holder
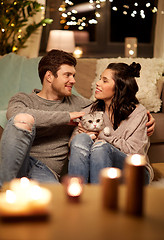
24 198
73 187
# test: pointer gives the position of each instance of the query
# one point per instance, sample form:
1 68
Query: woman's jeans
15 160
87 158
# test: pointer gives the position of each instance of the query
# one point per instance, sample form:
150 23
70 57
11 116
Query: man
35 141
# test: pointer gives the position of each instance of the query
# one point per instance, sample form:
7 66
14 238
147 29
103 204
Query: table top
89 220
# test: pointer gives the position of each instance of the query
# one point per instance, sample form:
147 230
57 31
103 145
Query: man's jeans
88 158
15 160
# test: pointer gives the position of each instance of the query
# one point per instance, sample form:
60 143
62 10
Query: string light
68 10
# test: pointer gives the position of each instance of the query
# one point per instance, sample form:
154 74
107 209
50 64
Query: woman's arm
132 136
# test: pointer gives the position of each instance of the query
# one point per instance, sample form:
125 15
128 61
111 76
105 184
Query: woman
123 115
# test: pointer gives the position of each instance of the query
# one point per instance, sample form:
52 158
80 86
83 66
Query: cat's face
93 121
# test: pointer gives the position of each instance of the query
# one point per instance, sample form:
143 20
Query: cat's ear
101 112
83 117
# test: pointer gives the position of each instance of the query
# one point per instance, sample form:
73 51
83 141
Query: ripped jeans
87 158
15 160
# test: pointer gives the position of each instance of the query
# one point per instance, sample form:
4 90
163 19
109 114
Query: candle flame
112 173
24 182
10 196
74 187
36 192
136 160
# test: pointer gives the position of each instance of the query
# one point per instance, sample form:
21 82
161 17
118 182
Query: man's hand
75 118
150 124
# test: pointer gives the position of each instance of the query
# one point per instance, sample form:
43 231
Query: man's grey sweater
51 120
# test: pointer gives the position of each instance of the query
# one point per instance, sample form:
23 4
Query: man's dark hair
52 62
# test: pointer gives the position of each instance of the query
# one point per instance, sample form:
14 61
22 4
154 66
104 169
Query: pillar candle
134 176
109 178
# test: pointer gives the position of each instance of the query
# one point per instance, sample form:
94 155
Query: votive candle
24 198
74 187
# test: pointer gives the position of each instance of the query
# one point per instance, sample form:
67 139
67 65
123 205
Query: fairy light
74 11
14 49
98 6
68 18
97 14
83 24
64 15
114 8
148 5
80 28
93 21
154 10
73 18
126 6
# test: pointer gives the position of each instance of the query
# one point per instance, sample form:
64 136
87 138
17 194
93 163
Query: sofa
20 74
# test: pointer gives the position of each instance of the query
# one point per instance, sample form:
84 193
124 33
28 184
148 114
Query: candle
109 178
24 198
134 176
74 187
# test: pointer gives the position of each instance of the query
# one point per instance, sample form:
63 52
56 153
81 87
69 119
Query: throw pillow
151 71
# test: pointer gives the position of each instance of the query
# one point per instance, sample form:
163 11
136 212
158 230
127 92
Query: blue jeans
87 158
15 159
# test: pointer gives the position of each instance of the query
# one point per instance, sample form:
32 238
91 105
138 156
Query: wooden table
88 220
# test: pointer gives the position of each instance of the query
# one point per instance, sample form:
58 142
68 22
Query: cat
93 122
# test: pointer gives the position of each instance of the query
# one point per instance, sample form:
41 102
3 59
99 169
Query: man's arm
150 124
21 103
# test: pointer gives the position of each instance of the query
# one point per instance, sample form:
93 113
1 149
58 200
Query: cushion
158 171
17 74
85 74
158 135
151 70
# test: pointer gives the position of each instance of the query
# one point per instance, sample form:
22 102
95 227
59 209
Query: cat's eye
90 121
98 120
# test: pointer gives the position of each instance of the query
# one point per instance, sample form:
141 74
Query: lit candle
24 198
134 176
109 178
74 187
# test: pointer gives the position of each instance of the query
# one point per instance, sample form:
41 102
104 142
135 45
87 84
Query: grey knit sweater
52 130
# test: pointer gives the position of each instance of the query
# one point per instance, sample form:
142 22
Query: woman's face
105 87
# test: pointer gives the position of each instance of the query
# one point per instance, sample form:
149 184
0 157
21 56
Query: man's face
63 83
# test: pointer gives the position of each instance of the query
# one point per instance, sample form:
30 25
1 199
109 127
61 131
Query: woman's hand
93 135
150 124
